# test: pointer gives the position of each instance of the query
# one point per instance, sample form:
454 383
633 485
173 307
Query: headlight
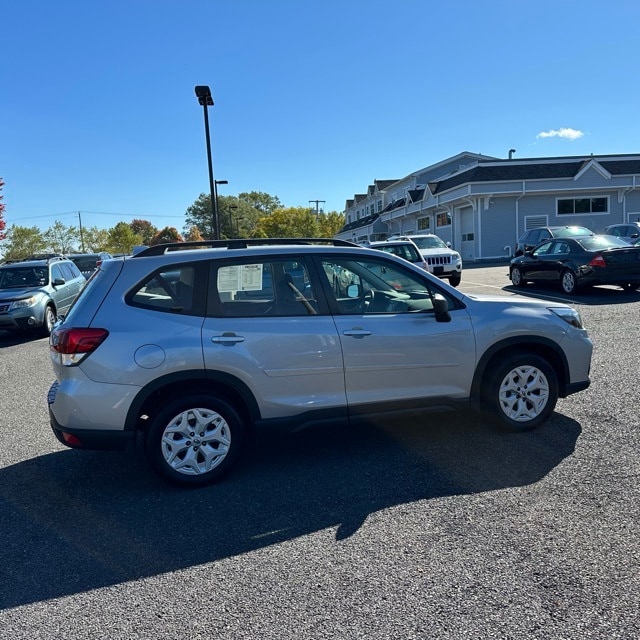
568 315
25 304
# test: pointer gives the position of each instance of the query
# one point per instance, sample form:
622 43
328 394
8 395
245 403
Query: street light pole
203 93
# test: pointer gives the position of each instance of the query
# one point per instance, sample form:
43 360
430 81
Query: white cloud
563 132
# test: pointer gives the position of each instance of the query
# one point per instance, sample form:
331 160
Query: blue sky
313 99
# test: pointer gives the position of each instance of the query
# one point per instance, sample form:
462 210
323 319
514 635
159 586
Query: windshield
431 242
16 277
571 232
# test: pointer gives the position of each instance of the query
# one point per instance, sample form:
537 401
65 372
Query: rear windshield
595 243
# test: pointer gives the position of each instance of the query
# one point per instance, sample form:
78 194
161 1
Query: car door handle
357 332
227 338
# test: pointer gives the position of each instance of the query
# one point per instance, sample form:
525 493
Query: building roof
535 169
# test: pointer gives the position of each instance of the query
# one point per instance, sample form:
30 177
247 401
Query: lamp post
203 93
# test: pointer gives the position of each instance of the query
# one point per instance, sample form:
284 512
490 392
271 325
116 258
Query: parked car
403 249
629 232
441 259
370 336
529 240
579 262
33 292
89 262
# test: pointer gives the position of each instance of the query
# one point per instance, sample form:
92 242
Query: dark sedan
578 262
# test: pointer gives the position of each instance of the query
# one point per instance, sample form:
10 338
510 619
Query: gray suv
34 291
188 348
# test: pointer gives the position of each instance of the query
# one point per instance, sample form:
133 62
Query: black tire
454 280
48 321
194 440
522 392
516 277
568 281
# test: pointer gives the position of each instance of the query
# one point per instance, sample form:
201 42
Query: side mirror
58 282
441 308
353 291
448 245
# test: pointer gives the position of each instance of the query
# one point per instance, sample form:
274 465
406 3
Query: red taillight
598 261
73 341
71 440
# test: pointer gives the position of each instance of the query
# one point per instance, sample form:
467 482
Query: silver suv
34 291
193 346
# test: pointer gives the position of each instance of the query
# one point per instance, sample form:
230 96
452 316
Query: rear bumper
91 438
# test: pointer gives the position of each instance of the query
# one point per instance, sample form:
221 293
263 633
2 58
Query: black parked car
529 240
581 261
89 262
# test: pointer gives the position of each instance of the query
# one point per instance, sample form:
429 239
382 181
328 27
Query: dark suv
33 292
529 240
88 262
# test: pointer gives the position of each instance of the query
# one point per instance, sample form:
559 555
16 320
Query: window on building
424 224
443 219
379 205
569 206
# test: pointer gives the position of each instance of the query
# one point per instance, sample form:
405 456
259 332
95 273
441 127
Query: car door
396 354
62 294
269 328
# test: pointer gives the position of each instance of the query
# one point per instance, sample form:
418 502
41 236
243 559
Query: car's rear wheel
455 279
517 279
522 392
194 440
568 281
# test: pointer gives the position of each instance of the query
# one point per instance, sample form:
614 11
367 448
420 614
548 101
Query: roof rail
49 257
238 243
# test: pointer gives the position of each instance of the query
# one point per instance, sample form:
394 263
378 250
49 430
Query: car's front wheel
522 391
194 440
516 277
455 279
49 320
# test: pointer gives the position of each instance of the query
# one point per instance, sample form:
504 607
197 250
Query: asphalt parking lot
435 528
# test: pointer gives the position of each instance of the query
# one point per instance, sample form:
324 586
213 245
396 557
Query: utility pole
317 203
81 234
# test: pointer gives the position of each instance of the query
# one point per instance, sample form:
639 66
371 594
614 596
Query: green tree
199 215
144 229
62 239
237 218
94 239
292 222
122 239
168 234
22 242
260 201
330 223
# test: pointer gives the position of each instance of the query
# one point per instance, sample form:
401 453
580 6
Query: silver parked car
34 291
194 349
629 231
